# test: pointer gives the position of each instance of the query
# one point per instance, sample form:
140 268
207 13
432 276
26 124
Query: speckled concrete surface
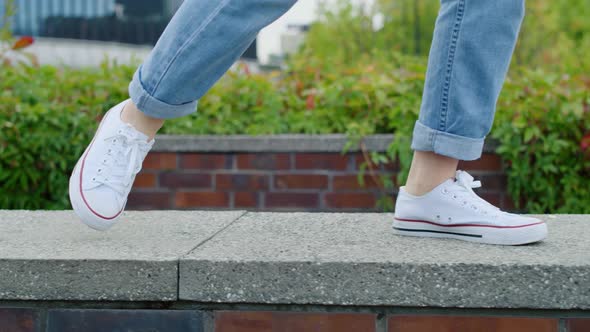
52 256
354 259
286 258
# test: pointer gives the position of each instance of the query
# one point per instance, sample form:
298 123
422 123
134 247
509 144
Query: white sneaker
453 210
104 175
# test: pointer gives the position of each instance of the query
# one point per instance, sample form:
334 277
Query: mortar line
197 246
43 317
381 322
562 325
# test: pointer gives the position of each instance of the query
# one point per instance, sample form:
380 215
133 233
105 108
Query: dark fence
125 21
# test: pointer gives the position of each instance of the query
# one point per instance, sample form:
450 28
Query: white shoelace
466 184
127 149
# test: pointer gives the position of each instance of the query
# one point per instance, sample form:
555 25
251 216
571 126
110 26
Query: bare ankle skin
145 124
428 170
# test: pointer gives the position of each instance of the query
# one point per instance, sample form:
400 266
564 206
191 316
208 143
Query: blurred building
290 42
138 22
292 39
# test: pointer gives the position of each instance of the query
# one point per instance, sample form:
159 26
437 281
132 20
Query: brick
237 321
487 162
249 182
160 160
268 161
291 200
301 181
205 161
419 323
18 320
245 199
350 200
89 320
201 199
149 200
232 321
578 324
324 161
350 182
145 180
185 180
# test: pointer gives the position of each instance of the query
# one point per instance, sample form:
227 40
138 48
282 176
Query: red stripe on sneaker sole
467 225
82 172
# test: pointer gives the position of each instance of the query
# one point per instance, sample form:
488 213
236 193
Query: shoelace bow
128 150
466 181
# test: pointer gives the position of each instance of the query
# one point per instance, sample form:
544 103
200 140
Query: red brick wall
95 320
279 181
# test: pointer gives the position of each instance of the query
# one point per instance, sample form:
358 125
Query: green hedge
543 125
48 116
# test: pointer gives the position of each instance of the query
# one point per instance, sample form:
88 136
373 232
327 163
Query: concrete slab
52 256
354 259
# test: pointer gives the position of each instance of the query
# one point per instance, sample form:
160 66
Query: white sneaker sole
86 214
501 235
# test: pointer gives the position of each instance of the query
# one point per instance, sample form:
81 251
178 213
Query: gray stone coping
52 256
286 258
274 143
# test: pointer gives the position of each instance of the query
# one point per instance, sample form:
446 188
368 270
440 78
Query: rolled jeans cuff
459 147
154 107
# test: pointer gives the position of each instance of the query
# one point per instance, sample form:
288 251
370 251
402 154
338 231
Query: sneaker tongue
465 181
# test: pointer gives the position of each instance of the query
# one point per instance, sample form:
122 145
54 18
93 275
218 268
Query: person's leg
199 45
141 121
469 58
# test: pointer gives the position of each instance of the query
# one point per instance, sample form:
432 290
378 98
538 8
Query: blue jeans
469 57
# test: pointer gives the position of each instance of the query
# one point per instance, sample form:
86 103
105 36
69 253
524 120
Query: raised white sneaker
102 178
453 210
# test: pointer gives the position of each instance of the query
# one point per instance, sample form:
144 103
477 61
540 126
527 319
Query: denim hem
459 147
154 107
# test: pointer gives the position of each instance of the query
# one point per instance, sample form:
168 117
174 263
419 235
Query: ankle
428 170
420 188
140 121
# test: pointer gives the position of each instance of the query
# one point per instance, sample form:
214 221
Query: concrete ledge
52 256
286 258
273 143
